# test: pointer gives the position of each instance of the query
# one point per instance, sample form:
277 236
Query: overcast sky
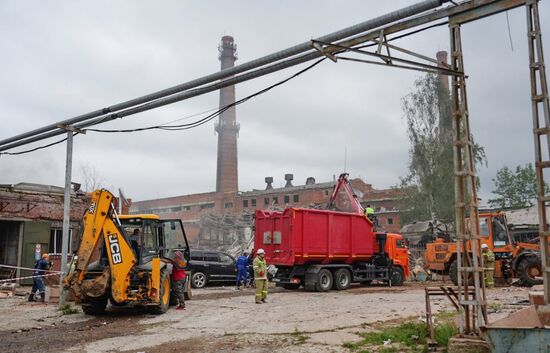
64 58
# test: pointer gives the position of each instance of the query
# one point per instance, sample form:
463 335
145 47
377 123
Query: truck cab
398 251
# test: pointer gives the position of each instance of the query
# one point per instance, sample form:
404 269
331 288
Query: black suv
211 266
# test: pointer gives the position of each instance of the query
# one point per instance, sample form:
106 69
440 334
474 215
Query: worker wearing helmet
260 276
489 260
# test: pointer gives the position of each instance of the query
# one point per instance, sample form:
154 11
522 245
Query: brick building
197 210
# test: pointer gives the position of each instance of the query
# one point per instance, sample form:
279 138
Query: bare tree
92 179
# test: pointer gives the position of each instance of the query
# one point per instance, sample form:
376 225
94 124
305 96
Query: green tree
515 189
427 192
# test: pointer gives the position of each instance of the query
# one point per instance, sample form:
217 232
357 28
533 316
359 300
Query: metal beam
485 11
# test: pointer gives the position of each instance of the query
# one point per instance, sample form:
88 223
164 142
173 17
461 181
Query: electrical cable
180 126
213 115
36 148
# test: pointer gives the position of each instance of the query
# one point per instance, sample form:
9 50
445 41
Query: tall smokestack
227 126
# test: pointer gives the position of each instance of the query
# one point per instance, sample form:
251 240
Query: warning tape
27 268
28 277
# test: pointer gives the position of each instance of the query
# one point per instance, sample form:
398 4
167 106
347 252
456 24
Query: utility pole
66 214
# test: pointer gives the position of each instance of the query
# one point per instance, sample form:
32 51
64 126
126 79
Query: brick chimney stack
227 126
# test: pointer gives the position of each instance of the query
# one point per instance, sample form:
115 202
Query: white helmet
484 246
260 251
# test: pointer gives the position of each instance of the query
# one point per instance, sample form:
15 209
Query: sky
65 58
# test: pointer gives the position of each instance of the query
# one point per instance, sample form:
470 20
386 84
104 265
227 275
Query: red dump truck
329 249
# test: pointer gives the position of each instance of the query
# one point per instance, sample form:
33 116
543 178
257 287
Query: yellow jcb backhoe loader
126 259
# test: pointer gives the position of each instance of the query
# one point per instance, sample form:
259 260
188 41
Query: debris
387 342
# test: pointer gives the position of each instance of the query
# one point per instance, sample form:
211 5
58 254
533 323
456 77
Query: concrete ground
220 319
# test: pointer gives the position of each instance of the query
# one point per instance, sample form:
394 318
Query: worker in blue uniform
240 264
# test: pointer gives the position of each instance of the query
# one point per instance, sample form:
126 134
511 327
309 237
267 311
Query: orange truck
513 259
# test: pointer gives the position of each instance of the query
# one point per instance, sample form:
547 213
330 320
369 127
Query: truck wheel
198 280
342 279
397 277
324 281
164 295
95 307
528 269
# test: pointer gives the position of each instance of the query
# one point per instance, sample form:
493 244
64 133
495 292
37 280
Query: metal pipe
295 50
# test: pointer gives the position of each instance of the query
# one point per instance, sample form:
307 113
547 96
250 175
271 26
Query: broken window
295 198
275 200
253 201
56 239
245 203
287 198
228 205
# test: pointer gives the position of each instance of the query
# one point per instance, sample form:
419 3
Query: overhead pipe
42 132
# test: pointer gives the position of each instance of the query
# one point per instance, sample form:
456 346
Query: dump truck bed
298 236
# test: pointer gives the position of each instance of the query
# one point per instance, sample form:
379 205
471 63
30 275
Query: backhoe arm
101 220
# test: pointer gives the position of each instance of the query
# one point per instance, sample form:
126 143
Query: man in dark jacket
250 269
41 267
240 264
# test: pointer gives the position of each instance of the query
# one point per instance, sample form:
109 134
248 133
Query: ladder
541 130
470 265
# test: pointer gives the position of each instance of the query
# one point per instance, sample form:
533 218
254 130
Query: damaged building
31 222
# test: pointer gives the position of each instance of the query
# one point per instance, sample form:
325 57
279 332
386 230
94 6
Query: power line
36 148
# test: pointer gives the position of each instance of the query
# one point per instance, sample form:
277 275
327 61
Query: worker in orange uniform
260 276
489 271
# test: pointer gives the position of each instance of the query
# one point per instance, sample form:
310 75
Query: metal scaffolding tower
541 131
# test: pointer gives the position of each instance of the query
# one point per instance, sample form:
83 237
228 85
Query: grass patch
443 332
409 336
68 309
408 333
299 337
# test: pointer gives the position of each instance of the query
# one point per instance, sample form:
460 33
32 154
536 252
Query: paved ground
220 319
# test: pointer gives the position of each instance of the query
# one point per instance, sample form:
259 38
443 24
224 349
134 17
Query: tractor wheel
397 277
95 307
453 274
528 269
324 281
164 295
342 279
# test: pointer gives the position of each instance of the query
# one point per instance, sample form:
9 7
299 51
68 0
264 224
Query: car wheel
198 280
